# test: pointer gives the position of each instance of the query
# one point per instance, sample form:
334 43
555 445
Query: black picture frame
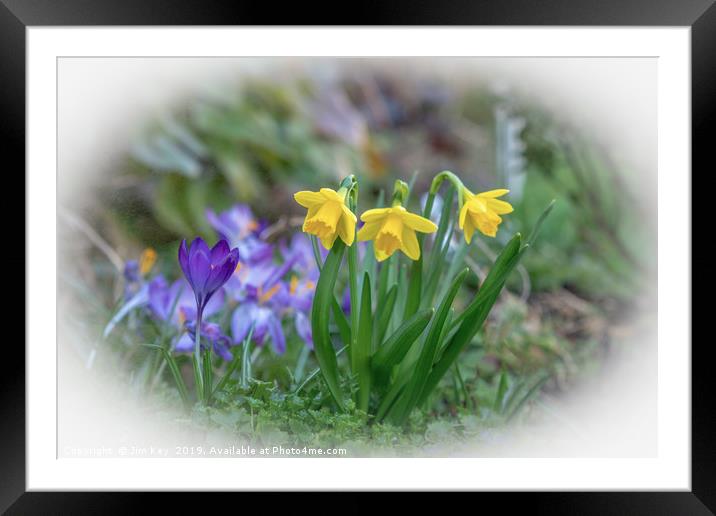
17 15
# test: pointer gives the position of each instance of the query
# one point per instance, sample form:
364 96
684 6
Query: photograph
321 257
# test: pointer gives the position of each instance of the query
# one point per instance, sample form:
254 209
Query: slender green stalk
174 369
316 372
246 359
166 326
353 281
355 308
208 375
198 378
301 364
229 371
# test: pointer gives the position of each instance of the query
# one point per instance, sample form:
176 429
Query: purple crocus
239 227
297 300
260 296
207 269
162 297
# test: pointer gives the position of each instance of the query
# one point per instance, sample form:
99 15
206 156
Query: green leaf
413 390
344 327
361 353
229 371
501 390
208 374
315 373
412 299
398 344
463 335
470 321
320 318
517 401
504 263
540 220
174 369
246 359
384 313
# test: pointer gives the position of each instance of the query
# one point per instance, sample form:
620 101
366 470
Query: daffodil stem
415 286
456 182
355 309
353 279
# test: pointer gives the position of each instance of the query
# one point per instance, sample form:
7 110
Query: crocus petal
199 267
220 272
198 245
184 260
214 304
278 339
221 347
219 251
158 297
185 344
241 321
303 329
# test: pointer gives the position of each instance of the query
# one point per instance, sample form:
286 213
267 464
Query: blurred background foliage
261 141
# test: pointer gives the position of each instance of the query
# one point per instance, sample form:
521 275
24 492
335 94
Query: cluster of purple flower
268 285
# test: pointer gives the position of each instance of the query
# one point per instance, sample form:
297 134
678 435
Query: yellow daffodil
392 229
328 216
482 211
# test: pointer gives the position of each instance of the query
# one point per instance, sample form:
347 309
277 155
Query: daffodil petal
410 244
461 221
477 205
346 229
309 199
491 194
331 195
468 230
419 223
328 242
499 207
374 214
368 231
348 213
